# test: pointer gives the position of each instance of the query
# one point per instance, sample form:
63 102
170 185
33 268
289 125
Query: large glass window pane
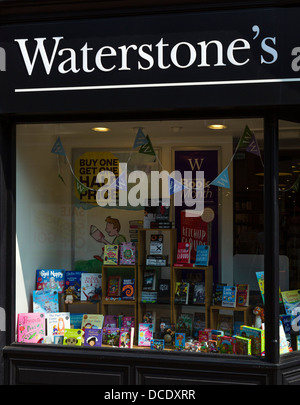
147 190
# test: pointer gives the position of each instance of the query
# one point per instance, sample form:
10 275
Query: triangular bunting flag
58 149
253 146
147 148
222 180
140 139
245 138
295 186
120 182
81 188
174 186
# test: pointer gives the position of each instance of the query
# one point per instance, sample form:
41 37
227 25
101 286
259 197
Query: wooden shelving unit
215 310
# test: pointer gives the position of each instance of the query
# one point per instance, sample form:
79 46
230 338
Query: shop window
289 241
147 235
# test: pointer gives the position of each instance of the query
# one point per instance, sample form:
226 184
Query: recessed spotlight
217 126
101 129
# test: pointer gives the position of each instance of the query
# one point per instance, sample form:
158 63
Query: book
157 344
184 324
218 293
229 297
261 284
57 323
199 293
111 336
72 337
45 301
149 279
226 344
73 284
156 244
31 327
111 255
179 341
157 260
93 337
242 345
202 255
50 279
96 233
145 334
92 321
128 289
110 321
242 295
149 297
91 285
283 342
257 337
149 317
183 253
291 300
127 253
163 291
181 292
126 337
75 320
166 331
128 322
113 286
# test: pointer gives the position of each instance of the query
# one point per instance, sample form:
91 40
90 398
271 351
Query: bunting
147 148
58 149
140 139
245 138
222 180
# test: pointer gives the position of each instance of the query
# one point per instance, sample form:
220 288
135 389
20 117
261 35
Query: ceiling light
101 129
216 126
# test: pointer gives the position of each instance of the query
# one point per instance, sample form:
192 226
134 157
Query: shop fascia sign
58 57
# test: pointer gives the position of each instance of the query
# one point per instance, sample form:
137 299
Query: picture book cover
57 323
242 345
91 284
226 344
93 337
145 334
202 255
111 336
218 293
257 337
283 342
110 321
73 284
128 289
179 341
72 337
75 320
242 295
184 324
128 322
183 252
291 300
126 338
45 301
261 284
181 292
113 286
31 327
111 255
199 293
50 279
156 244
149 317
229 297
157 344
127 253
92 321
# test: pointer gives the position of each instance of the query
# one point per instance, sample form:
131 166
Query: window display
158 246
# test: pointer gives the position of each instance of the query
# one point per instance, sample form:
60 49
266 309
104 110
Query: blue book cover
50 279
202 255
76 320
229 296
45 301
73 284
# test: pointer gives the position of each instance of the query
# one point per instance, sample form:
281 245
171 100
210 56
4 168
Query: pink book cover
31 327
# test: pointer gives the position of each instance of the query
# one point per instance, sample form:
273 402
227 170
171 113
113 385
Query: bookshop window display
141 235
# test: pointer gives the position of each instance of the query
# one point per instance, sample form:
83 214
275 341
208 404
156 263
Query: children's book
127 253
45 301
156 244
283 342
226 344
128 289
179 341
52 279
202 255
73 284
185 324
92 321
149 317
111 336
126 338
157 344
75 320
242 345
291 300
199 293
242 295
91 284
110 321
181 292
163 291
257 337
111 255
31 327
128 322
93 337
218 293
145 334
113 286
183 252
57 323
149 280
229 297
261 284
72 337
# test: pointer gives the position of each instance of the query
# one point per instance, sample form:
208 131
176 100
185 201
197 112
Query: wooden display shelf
85 303
215 309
